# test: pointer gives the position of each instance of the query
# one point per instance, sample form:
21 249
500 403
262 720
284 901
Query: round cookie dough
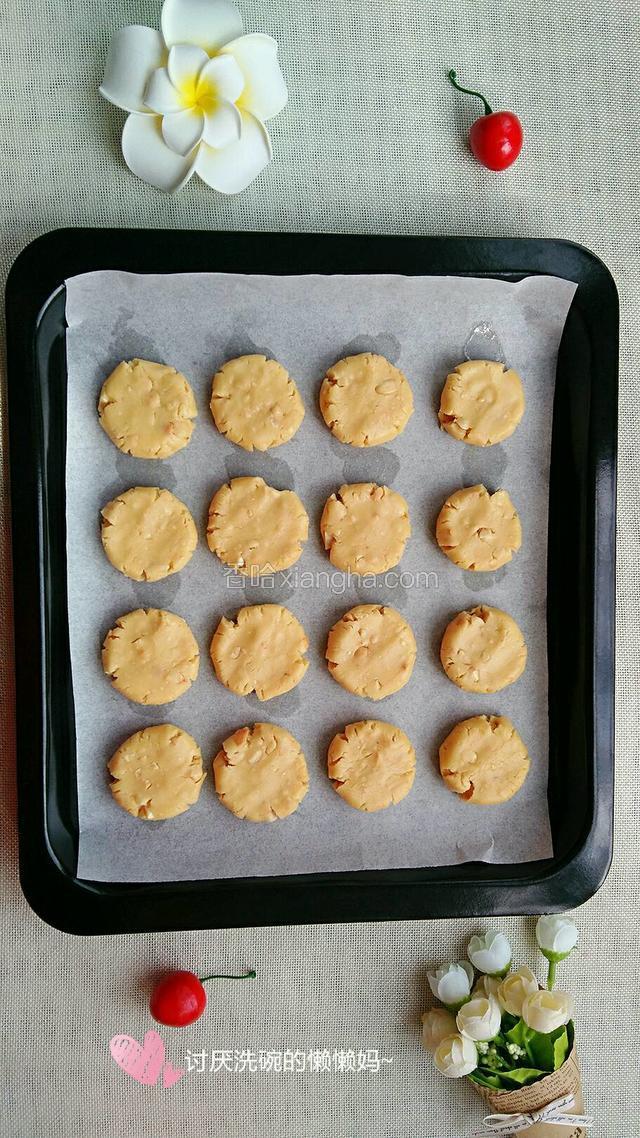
254 528
261 650
148 533
371 651
371 764
255 403
147 409
484 760
482 402
151 656
365 528
365 400
260 773
483 650
157 773
478 530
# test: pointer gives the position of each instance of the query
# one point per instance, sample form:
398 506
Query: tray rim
84 907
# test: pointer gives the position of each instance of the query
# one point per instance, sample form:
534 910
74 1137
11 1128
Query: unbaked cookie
260 773
365 400
483 650
371 764
484 760
151 656
371 651
157 773
147 409
478 530
365 527
148 533
482 402
254 528
255 403
261 650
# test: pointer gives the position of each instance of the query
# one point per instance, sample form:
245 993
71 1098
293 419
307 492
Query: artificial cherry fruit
496 137
180 999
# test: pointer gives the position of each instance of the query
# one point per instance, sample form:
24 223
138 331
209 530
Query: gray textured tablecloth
371 142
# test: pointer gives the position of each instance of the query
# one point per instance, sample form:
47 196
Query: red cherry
496 137
178 1000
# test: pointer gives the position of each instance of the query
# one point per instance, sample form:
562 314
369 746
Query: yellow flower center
199 94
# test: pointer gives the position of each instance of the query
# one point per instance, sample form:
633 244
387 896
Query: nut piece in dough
255 403
147 409
371 651
261 650
157 773
365 527
365 400
371 764
254 528
151 656
260 773
148 533
483 650
484 760
478 530
482 402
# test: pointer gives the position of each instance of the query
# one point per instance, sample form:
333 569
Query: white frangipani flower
198 96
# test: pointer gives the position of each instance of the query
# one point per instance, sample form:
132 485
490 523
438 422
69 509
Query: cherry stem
451 76
225 976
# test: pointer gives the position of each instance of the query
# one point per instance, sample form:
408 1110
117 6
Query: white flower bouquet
513 1039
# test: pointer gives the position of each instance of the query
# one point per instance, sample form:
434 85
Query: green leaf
549 1050
508 1021
522 1076
560 1050
486 1080
519 1033
539 1047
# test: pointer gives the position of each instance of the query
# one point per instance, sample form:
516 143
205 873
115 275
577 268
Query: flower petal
148 156
161 95
184 65
134 54
183 130
231 169
222 125
222 78
468 969
265 91
206 23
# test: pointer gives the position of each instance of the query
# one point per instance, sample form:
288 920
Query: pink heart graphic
170 1075
143 1062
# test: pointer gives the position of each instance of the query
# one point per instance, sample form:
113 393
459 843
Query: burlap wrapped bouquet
540 1108
513 1039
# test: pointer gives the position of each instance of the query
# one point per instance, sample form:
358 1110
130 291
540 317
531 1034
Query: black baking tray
581 590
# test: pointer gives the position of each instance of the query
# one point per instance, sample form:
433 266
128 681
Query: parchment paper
425 326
